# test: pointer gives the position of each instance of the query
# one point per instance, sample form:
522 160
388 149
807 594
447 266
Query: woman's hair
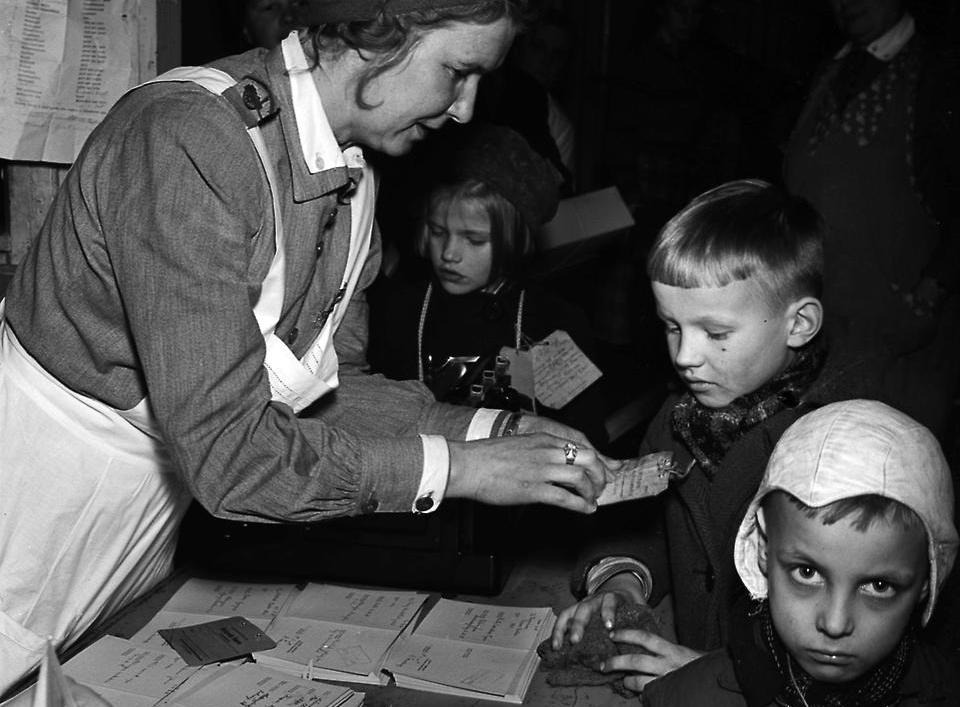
739 230
386 40
510 238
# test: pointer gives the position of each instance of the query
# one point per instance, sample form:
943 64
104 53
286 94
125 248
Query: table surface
539 580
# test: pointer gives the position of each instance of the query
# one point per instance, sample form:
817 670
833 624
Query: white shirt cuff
436 472
481 426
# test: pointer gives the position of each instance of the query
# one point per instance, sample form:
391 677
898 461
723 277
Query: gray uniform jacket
142 283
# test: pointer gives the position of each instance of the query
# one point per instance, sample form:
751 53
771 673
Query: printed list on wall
65 62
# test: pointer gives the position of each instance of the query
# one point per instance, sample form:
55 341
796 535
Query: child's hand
660 658
573 620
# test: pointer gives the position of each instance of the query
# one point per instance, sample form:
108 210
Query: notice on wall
64 63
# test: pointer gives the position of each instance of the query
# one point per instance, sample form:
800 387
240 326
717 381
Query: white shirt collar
890 43
317 141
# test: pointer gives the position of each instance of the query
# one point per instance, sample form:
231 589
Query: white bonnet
853 448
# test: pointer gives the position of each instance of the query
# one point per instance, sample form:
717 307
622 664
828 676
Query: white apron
89 502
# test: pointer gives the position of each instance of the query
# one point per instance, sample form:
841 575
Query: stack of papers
329 632
472 650
127 674
339 633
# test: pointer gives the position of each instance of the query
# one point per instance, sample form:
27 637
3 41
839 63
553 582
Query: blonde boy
736 276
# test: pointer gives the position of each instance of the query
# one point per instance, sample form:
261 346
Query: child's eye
478 242
717 335
671 329
804 574
435 231
879 588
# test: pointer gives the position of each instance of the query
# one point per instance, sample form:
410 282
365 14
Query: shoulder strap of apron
290 381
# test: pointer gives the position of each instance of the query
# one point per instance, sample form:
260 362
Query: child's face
841 598
724 341
458 242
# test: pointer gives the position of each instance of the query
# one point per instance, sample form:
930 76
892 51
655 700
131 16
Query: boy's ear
805 317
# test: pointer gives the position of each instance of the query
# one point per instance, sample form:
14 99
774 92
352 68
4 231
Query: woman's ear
805 317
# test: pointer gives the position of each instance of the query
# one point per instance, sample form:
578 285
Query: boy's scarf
879 687
710 432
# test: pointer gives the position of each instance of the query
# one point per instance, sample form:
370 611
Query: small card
520 370
561 371
215 641
638 478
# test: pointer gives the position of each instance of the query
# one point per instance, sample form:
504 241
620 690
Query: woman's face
437 80
458 243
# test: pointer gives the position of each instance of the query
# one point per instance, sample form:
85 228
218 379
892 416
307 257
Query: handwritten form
130 675
64 63
125 673
638 478
248 685
561 371
342 633
200 600
472 647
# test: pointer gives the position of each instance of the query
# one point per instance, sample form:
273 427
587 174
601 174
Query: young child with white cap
844 547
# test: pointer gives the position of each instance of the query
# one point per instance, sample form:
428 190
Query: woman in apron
191 323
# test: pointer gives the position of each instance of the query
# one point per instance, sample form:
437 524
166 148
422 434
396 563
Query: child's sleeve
630 532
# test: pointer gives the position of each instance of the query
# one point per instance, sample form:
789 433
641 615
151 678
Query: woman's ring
570 452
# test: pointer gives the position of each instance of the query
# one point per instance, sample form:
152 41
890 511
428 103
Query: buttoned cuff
483 424
436 471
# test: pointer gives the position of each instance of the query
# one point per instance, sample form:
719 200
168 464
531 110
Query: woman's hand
534 423
529 468
661 658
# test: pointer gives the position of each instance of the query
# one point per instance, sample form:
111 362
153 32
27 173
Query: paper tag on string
646 476
520 370
561 371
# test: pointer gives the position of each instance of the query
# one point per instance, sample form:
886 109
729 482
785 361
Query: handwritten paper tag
561 371
520 370
215 641
638 478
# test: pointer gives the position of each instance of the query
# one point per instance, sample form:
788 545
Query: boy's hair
510 238
865 509
858 457
743 229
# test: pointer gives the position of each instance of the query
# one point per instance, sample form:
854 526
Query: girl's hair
510 238
739 230
386 40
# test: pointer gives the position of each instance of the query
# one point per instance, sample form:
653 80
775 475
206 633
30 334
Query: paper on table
216 641
339 633
638 478
251 684
469 649
130 669
131 675
200 600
